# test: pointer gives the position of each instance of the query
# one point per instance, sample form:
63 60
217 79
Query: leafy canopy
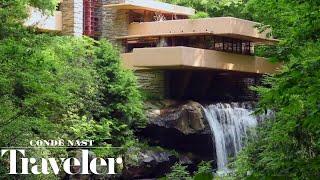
214 8
61 87
288 145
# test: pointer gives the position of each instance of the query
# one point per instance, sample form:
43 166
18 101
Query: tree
214 8
14 12
180 172
61 87
288 145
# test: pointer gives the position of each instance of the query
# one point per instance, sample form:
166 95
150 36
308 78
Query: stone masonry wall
152 82
113 23
72 17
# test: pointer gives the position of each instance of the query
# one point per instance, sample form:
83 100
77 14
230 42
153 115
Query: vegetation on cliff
61 87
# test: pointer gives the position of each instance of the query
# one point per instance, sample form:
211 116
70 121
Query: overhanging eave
151 5
193 58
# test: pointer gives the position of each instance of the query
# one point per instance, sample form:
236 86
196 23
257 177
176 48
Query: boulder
181 126
148 164
188 118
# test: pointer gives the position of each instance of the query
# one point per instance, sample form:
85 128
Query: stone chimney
72 17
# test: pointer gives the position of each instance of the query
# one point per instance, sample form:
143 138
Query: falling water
230 124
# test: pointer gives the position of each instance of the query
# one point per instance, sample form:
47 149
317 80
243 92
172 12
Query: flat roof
221 26
153 5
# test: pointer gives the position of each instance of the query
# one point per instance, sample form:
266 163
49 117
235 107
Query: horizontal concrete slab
44 22
152 5
221 26
193 58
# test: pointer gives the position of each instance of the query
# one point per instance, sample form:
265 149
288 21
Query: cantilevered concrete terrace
194 58
44 22
151 5
219 26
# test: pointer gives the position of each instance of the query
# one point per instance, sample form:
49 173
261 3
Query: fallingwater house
175 57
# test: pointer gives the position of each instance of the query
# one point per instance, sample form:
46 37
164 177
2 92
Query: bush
178 172
199 15
60 87
204 171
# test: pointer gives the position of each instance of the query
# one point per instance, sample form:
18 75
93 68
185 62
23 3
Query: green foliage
204 171
289 144
48 91
119 94
215 8
40 79
293 22
178 172
204 167
200 14
61 87
14 12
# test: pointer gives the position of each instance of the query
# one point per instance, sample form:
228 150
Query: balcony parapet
219 26
194 58
44 22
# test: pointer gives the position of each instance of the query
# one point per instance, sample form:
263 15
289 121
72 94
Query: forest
47 90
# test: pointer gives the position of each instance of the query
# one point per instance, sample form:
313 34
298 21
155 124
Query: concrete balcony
220 26
152 5
193 58
44 22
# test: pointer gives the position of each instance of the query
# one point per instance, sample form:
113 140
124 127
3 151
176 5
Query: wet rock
188 118
148 164
154 163
180 126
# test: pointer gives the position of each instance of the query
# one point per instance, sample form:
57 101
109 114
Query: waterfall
230 124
